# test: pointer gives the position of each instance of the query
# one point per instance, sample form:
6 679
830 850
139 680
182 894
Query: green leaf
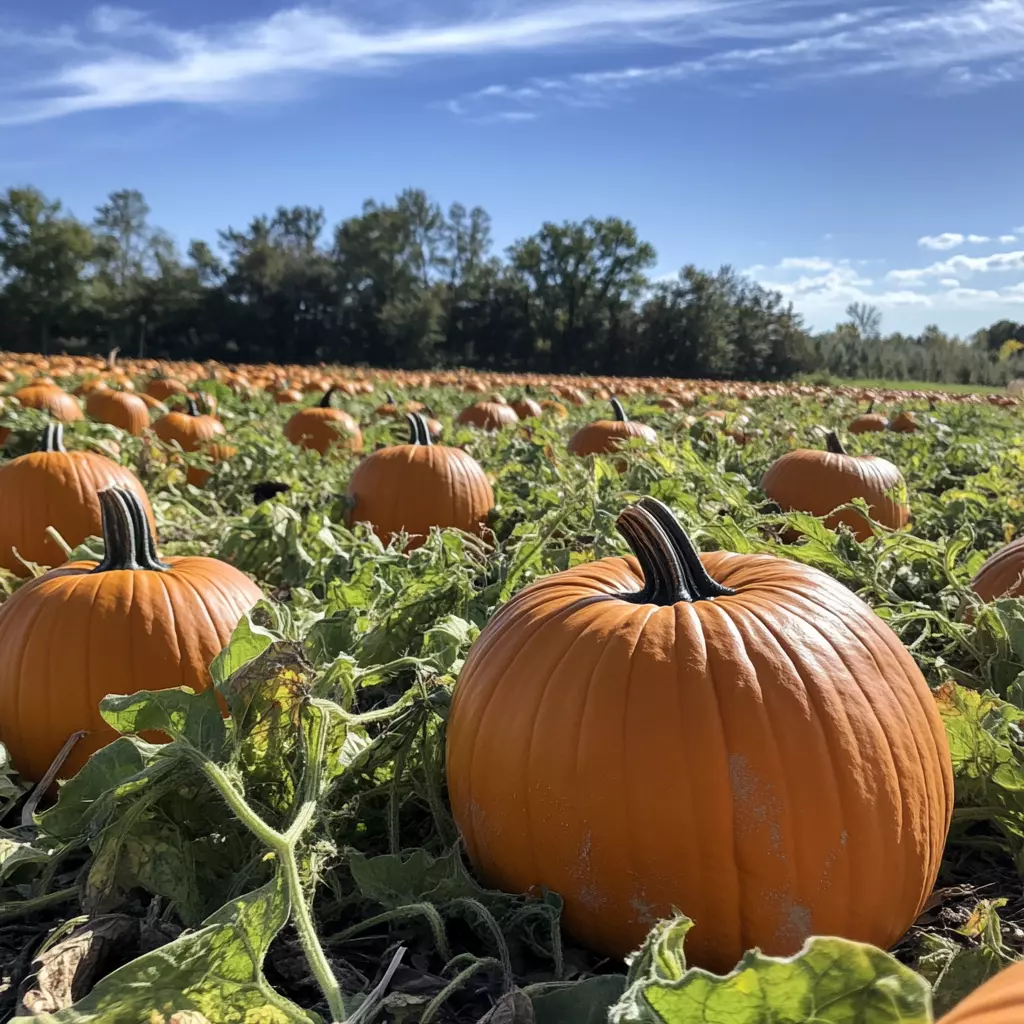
247 643
396 880
581 1002
215 971
179 713
830 981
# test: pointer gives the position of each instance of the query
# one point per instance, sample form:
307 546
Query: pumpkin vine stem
325 402
191 407
620 413
53 438
127 539
671 566
419 432
833 444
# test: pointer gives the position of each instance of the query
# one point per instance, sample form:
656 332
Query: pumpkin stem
325 402
671 566
871 405
390 397
833 444
419 432
620 413
191 407
53 438
127 539
112 357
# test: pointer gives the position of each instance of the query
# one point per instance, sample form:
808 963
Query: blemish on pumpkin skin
754 803
588 893
645 913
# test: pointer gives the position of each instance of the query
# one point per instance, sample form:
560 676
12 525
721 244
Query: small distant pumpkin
118 408
50 399
58 488
604 436
213 454
162 388
287 396
819 482
134 621
904 423
868 422
190 429
413 487
526 408
488 415
321 427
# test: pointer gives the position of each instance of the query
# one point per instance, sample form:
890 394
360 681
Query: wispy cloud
118 57
947 240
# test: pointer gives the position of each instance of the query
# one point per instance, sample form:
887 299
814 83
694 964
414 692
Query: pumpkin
214 453
527 408
818 482
555 409
162 388
154 405
1002 575
415 486
188 429
904 423
129 412
320 427
736 736
391 407
603 436
999 1001
50 399
58 488
868 422
287 396
488 415
132 622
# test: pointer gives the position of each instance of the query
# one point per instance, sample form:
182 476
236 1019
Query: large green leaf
216 971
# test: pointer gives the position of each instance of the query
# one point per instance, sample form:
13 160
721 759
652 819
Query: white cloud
947 240
1006 239
949 282
805 263
120 57
978 239
961 266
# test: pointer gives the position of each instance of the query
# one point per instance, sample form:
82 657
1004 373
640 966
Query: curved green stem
833 445
620 413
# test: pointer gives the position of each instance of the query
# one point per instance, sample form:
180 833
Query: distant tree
866 318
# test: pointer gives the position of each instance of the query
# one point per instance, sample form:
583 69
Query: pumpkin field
333 694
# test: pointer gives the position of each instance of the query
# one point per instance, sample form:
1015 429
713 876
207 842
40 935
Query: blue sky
838 152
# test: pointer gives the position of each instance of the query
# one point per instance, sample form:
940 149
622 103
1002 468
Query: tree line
410 284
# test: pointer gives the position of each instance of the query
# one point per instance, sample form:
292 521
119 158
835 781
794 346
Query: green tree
43 257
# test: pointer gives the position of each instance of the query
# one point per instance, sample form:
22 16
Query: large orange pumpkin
320 428
416 486
736 736
132 622
50 399
188 429
162 388
819 482
1002 575
999 1001
603 436
120 409
488 415
58 488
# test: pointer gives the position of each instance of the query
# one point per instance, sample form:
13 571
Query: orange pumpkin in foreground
58 488
736 736
132 622
819 482
419 485
999 1001
603 436
321 427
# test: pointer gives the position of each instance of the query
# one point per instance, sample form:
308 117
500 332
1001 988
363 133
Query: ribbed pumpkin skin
321 428
129 412
818 482
488 415
1002 575
70 638
161 388
191 432
867 423
57 489
414 487
771 763
604 436
999 1001
527 408
59 404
